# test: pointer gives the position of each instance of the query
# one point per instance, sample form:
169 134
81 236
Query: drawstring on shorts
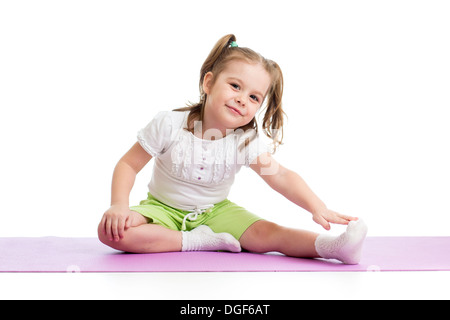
193 215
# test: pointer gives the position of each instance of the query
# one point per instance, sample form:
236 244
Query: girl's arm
125 173
295 189
116 218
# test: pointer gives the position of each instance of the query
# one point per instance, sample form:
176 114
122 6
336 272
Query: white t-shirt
192 173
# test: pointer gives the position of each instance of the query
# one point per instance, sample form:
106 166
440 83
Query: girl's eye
254 98
234 85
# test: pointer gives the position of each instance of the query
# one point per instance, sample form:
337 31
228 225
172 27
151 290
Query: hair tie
233 44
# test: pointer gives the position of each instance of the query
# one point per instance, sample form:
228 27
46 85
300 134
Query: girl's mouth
234 110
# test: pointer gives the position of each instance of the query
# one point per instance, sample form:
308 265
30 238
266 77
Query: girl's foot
203 238
346 247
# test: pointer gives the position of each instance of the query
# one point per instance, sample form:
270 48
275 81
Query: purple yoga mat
54 254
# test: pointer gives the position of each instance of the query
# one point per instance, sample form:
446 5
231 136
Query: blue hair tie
234 44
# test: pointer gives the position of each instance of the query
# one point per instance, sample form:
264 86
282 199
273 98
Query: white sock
203 238
346 247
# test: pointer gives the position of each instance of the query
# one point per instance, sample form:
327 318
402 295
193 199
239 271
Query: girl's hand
115 220
325 216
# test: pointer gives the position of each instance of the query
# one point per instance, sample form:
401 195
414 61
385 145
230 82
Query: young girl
197 152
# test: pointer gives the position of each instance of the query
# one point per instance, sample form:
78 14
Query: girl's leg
143 237
264 236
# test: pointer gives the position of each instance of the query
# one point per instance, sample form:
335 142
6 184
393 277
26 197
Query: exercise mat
59 254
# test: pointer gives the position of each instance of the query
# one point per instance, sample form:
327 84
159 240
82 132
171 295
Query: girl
197 151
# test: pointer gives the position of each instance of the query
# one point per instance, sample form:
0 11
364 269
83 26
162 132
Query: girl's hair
224 52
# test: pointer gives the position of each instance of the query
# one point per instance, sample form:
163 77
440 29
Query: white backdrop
367 95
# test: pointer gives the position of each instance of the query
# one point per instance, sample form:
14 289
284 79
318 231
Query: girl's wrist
317 209
120 204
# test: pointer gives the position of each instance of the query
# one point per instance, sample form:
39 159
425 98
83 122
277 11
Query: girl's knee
120 245
101 233
103 237
260 236
264 229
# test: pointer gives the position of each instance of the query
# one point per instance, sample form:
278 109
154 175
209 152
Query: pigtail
273 120
222 46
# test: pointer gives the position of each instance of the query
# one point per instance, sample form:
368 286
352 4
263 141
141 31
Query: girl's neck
208 130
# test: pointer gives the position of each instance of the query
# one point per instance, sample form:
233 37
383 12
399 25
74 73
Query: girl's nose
241 100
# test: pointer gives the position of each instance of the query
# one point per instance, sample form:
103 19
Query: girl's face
234 97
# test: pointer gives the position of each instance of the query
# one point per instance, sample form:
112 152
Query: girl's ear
207 82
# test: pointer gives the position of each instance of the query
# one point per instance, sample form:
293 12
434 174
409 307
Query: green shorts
225 216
